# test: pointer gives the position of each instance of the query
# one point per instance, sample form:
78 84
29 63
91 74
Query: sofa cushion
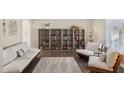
11 70
19 64
111 57
103 57
24 46
92 46
8 56
85 52
96 63
31 53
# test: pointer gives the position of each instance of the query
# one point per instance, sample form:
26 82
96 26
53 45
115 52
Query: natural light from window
115 34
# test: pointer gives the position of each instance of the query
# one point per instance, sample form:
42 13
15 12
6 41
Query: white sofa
13 63
90 49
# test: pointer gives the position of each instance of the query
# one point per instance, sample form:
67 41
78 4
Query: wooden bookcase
61 39
55 39
44 39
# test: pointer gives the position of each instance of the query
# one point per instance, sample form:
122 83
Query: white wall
99 27
58 23
26 31
1 45
13 39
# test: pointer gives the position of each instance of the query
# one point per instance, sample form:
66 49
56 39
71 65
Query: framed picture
12 27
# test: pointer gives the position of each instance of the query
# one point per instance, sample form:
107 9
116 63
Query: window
115 34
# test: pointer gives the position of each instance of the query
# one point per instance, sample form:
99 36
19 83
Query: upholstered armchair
90 49
108 63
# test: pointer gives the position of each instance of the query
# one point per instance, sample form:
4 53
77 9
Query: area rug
57 65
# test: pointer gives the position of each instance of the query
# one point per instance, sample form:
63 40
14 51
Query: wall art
12 27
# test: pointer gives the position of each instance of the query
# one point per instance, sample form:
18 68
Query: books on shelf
61 38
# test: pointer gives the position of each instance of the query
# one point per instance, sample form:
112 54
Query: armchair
90 49
111 63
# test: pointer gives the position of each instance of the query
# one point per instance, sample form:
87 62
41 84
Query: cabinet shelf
61 39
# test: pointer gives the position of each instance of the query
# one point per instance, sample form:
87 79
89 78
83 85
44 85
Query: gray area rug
57 65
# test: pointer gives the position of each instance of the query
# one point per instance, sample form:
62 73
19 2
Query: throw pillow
20 53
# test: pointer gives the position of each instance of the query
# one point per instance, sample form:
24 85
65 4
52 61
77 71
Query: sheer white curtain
26 31
115 34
